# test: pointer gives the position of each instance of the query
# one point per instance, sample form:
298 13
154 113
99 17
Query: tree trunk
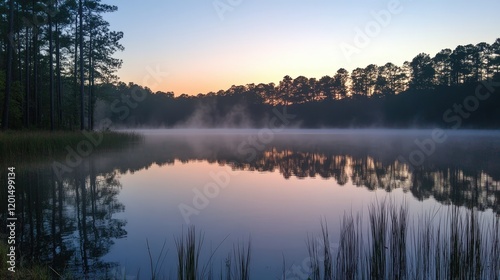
51 71
8 84
18 43
91 81
27 79
58 73
82 119
75 77
35 68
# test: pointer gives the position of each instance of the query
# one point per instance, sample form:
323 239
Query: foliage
416 94
45 63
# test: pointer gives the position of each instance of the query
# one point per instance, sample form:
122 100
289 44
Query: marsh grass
241 269
314 258
348 255
453 244
397 240
29 145
33 271
188 255
378 215
189 249
160 260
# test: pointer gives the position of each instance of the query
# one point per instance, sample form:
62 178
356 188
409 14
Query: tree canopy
52 54
58 71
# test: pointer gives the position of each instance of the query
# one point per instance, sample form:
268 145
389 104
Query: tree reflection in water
71 224
68 224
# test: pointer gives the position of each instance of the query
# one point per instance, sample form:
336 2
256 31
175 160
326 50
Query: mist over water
477 151
204 116
276 186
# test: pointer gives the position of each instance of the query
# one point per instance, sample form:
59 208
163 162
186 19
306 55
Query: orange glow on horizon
202 84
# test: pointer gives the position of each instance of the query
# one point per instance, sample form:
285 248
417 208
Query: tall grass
493 259
397 239
22 272
378 216
314 258
188 255
241 269
160 260
189 248
349 251
457 245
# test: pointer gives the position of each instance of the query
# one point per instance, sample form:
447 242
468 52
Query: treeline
57 72
426 91
53 54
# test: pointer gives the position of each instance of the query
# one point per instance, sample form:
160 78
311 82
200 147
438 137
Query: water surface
273 188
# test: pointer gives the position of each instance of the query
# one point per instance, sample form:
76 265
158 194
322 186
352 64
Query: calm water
236 185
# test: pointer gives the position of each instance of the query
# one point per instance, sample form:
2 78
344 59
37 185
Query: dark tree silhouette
340 84
8 83
422 71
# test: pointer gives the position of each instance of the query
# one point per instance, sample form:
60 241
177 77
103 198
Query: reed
397 239
314 258
377 214
160 260
188 255
242 258
327 254
348 255
455 244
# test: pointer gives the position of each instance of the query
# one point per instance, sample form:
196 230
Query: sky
199 46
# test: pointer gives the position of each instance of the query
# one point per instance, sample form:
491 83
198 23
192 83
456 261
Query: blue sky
204 48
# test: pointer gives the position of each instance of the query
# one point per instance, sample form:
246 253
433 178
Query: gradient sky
262 41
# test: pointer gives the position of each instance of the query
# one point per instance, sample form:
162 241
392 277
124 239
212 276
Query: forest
453 89
54 54
58 73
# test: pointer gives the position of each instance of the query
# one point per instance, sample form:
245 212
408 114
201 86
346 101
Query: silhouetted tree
340 87
358 78
494 59
10 56
422 72
300 90
285 90
371 76
481 56
315 93
325 85
443 67
462 60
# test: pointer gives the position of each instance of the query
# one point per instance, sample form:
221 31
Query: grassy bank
28 145
37 272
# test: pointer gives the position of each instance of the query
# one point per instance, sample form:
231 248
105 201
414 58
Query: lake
112 213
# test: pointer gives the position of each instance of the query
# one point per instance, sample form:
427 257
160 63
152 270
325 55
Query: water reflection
73 222
463 171
68 223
